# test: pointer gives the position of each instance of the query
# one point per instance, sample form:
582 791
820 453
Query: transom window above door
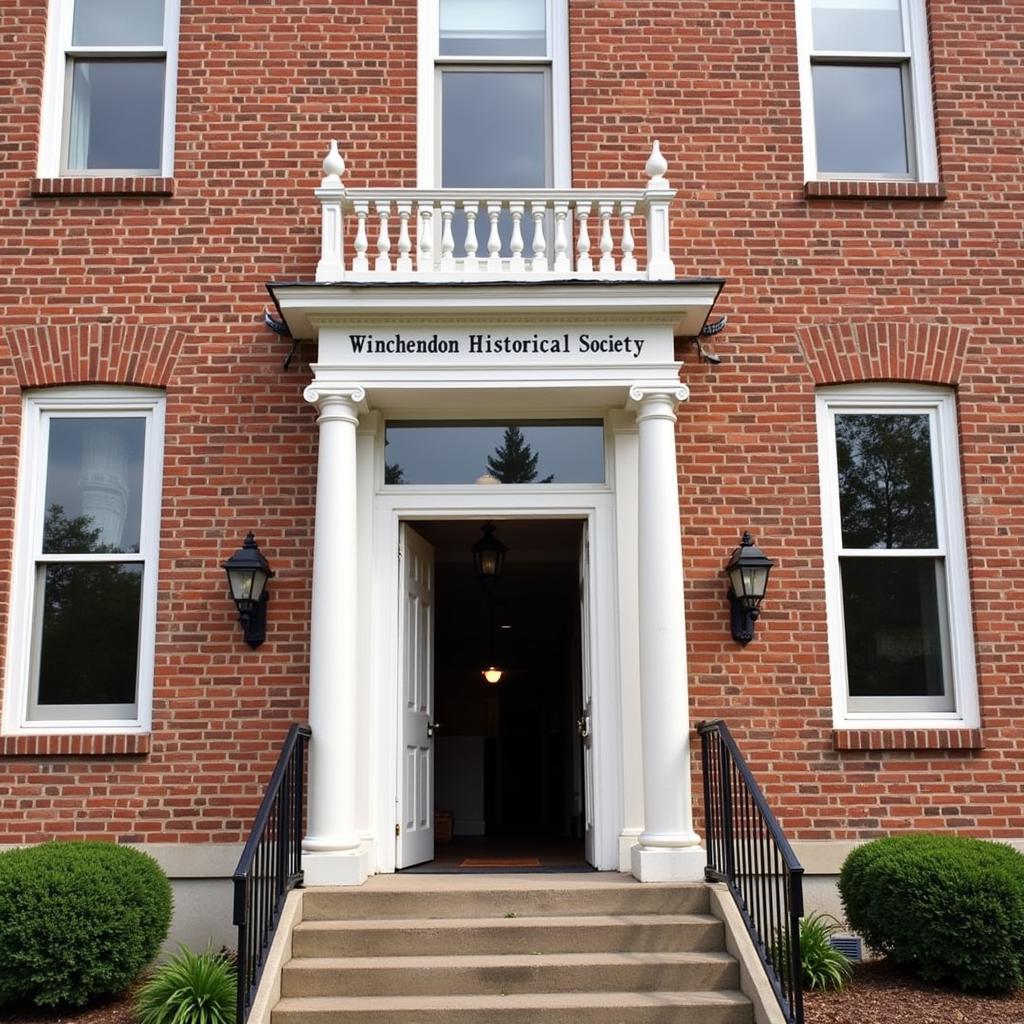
493 452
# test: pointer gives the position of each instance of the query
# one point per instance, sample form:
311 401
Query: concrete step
545 1008
523 898
591 933
509 974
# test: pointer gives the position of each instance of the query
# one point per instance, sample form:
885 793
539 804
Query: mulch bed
880 994
114 1011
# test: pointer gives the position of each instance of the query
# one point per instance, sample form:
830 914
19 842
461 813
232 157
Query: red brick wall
819 289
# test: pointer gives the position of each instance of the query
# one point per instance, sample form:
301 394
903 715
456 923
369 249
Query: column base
336 867
668 864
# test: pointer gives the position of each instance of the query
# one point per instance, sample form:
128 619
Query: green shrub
192 988
949 907
78 921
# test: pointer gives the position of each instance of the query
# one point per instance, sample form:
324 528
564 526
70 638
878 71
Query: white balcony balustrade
404 234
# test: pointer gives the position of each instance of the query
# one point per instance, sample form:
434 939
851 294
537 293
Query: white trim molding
56 105
958 706
39 410
913 62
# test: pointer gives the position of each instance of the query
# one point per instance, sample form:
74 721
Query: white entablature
396 234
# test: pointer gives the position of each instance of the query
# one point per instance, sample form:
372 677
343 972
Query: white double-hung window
109 91
494 94
80 653
899 614
865 88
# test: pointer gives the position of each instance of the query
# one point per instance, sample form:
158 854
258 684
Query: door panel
416 815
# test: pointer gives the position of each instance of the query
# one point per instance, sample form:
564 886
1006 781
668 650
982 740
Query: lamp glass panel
736 578
259 582
242 584
755 580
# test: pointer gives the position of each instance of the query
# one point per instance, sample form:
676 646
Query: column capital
657 401
346 402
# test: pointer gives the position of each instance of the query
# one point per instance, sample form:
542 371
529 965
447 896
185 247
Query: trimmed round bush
948 907
78 921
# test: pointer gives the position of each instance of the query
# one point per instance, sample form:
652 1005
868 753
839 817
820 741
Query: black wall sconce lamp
248 573
748 571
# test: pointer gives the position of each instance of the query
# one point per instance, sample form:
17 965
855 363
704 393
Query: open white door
585 723
416 771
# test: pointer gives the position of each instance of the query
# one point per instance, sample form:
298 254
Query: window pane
494 453
90 633
894 638
118 23
872 25
493 129
94 484
859 119
886 490
500 28
117 111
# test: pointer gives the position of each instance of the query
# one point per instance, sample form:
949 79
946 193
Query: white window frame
939 405
556 61
38 409
60 55
913 59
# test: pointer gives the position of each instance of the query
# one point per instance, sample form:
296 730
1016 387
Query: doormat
500 862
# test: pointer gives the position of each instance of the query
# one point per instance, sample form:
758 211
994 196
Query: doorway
495 775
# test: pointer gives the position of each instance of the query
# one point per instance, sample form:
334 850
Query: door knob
432 727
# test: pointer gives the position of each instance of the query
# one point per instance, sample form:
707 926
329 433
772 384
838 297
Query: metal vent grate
848 945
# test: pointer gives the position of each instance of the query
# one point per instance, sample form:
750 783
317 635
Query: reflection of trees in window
90 621
886 498
393 473
514 461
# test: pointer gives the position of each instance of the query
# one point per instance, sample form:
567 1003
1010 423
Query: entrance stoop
516 949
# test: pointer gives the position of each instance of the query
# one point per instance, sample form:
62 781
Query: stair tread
510 960
459 923
526 1000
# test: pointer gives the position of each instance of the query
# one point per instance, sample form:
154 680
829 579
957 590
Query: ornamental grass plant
191 988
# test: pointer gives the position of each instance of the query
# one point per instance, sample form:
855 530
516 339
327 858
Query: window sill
832 189
102 186
907 739
75 745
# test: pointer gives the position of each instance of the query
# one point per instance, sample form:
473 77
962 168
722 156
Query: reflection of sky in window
493 129
116 114
497 29
859 119
94 468
457 454
864 25
118 23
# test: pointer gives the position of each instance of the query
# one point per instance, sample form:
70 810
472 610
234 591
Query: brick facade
161 283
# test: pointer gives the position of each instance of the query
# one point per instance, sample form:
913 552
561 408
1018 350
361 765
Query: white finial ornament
334 166
656 168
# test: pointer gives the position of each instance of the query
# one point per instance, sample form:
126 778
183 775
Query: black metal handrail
747 850
270 865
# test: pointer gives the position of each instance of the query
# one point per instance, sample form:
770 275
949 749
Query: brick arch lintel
93 353
907 351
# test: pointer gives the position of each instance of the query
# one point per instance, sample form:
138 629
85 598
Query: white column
668 849
333 852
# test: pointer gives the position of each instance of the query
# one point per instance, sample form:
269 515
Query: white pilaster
668 848
333 852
